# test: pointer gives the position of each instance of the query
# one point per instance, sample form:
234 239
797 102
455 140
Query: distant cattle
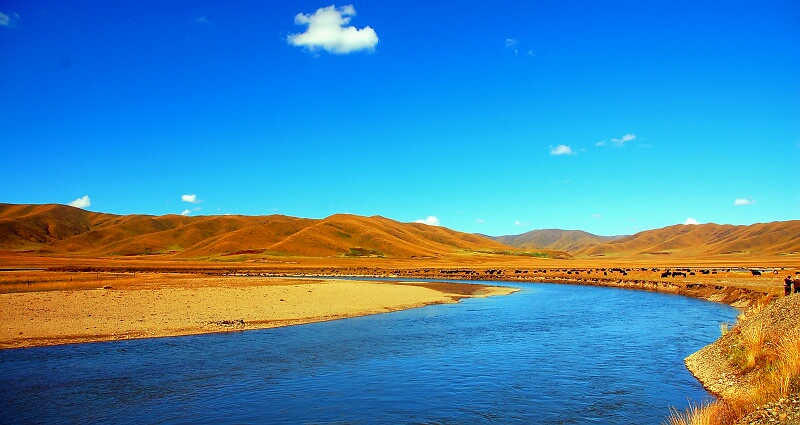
755 272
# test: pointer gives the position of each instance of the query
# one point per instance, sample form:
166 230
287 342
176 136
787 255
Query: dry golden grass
787 375
709 413
767 357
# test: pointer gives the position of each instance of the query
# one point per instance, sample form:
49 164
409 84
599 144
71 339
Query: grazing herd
519 273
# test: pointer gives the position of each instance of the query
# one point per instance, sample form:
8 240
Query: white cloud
512 44
743 201
202 20
190 198
690 220
596 216
561 150
618 142
82 202
431 221
480 220
326 30
8 20
186 212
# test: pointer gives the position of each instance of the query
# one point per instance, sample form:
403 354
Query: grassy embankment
754 363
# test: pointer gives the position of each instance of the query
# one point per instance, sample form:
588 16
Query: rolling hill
60 229
776 238
561 240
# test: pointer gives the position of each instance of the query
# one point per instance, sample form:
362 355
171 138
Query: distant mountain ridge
62 229
776 238
562 240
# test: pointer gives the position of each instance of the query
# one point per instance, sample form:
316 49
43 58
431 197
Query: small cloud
190 198
618 142
561 150
517 223
430 221
326 30
530 53
596 216
743 201
512 44
202 20
82 202
9 20
480 221
690 220
624 139
186 212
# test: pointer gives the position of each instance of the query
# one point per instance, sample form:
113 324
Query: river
549 354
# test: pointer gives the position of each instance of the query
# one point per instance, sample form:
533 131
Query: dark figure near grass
797 286
787 286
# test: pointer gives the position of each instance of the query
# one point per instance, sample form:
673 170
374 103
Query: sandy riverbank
157 305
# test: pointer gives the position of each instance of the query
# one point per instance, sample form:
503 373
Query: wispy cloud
743 201
186 212
327 30
512 44
82 202
202 20
618 142
561 150
431 221
190 198
480 220
8 20
691 220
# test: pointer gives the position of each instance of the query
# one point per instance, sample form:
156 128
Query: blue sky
494 117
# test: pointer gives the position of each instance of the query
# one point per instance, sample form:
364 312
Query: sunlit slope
379 236
562 240
31 226
60 229
777 238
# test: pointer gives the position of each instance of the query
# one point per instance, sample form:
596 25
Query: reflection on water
550 354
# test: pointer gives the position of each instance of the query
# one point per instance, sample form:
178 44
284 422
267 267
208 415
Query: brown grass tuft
707 413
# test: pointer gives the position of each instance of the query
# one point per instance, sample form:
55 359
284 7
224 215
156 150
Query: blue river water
549 354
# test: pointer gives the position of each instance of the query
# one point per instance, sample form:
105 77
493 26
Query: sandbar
162 305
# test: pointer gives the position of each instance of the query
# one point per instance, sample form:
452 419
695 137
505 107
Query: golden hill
762 239
60 229
561 240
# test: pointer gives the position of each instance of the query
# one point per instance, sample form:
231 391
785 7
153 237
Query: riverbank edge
752 368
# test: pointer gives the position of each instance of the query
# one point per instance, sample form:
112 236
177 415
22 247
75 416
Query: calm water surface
550 354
